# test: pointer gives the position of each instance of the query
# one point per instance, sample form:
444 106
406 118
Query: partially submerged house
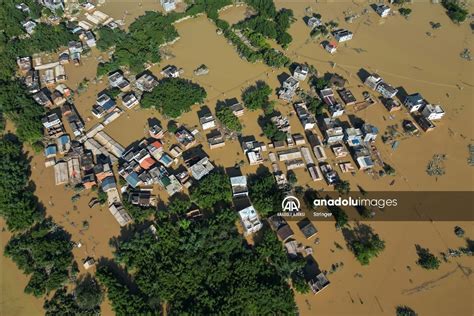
342 35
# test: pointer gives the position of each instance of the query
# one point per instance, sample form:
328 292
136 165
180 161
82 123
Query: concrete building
342 35
433 112
414 102
382 10
250 220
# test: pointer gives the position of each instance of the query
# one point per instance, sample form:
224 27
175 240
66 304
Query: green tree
426 259
45 252
456 12
405 11
174 96
405 311
264 193
228 119
366 244
272 132
214 188
18 205
343 187
257 97
88 294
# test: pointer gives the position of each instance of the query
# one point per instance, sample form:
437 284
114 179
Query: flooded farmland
399 49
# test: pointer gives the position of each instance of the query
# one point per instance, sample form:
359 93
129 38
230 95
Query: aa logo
290 204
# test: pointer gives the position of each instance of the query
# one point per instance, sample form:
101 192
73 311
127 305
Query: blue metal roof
64 139
50 150
132 179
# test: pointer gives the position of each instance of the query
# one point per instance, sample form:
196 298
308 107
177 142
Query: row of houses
424 112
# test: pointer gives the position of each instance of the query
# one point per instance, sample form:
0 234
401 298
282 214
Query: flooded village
381 103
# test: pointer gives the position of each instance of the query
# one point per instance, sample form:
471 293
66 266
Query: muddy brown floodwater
398 49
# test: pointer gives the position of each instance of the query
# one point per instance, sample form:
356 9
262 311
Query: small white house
168 5
330 47
301 72
250 220
433 112
342 35
207 121
382 10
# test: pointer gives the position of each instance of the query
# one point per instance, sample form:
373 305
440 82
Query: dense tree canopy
123 300
109 37
455 10
45 252
426 259
264 193
257 97
84 301
228 119
18 106
174 96
18 205
214 188
272 132
366 245
142 42
203 269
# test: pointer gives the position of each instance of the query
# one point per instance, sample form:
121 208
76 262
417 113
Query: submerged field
399 50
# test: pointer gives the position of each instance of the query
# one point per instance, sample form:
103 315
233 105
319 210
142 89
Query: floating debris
466 54
201 70
459 231
436 165
470 160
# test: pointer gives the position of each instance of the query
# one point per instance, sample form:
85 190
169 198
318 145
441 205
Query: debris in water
466 54
470 160
201 70
436 165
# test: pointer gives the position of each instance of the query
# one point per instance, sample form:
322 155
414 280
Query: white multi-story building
433 112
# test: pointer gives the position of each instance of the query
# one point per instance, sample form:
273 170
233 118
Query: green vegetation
291 176
426 259
202 269
272 132
139 214
405 11
211 190
273 27
123 300
18 205
172 126
140 45
340 216
343 187
101 196
257 97
179 206
315 106
109 38
85 300
388 169
228 119
113 92
11 18
45 252
455 10
299 282
174 96
405 311
25 113
264 193
366 245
